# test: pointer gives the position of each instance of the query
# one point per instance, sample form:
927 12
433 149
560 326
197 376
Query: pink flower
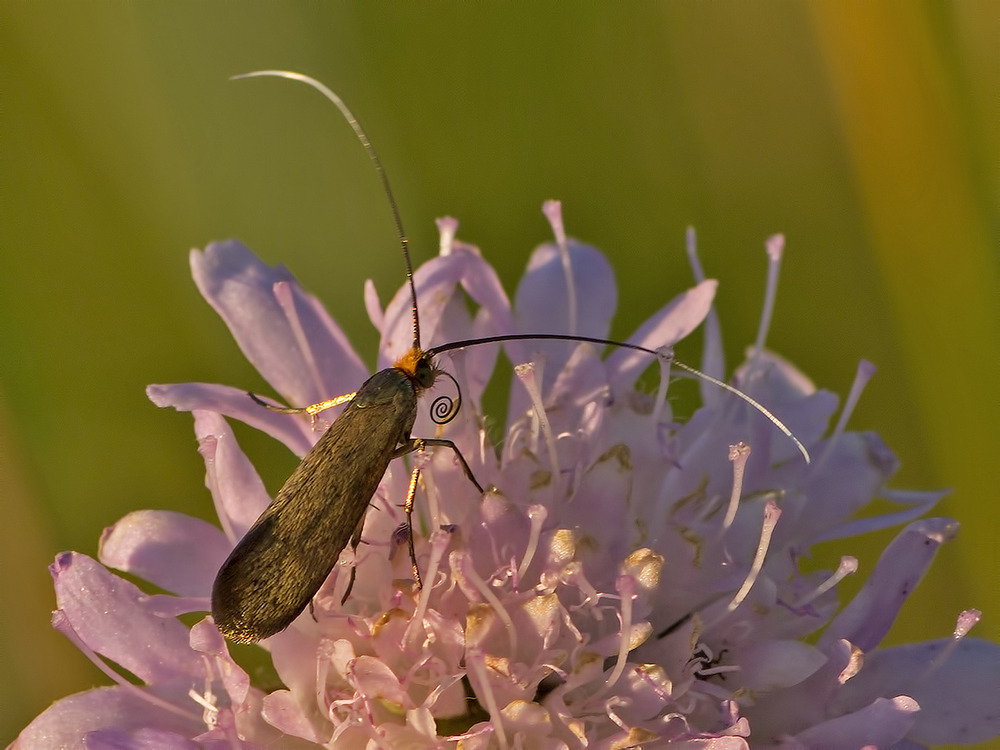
625 580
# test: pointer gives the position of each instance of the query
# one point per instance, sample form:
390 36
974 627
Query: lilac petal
541 304
880 724
959 699
444 317
239 494
176 552
865 621
436 281
915 505
137 739
114 618
284 332
373 307
792 709
294 432
713 361
776 664
789 394
68 721
669 325
862 464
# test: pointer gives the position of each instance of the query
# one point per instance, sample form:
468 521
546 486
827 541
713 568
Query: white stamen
738 454
210 714
553 212
864 373
848 566
447 226
966 620
775 245
432 498
324 656
439 540
463 560
691 245
771 515
537 515
474 661
666 356
625 586
531 380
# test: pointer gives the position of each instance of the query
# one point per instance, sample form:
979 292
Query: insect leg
355 541
312 410
419 444
408 509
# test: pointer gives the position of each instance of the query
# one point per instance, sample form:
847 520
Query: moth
275 570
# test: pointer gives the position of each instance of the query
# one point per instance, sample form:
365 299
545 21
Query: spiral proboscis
445 408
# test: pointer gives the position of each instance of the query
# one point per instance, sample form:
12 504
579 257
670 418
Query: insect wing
276 569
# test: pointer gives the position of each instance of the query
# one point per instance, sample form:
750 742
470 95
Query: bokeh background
866 132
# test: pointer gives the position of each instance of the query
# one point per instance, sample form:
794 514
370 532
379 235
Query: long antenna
608 342
404 243
404 246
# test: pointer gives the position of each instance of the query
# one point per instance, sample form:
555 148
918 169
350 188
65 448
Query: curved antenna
608 342
363 137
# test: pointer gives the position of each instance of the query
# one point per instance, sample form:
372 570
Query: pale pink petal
298 349
115 619
67 723
294 432
901 566
673 322
206 639
959 697
774 664
283 712
176 552
239 493
542 304
138 739
880 724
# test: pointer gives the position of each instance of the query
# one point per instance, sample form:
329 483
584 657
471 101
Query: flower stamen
530 375
738 455
775 246
553 212
848 566
536 515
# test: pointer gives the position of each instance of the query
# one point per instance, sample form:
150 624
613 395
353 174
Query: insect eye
424 374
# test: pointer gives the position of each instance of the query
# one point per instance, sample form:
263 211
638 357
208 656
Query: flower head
625 579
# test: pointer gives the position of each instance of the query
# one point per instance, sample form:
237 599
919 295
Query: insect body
274 571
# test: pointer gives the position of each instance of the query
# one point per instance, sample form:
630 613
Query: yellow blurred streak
916 177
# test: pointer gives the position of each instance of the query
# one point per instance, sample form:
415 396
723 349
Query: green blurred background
866 132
